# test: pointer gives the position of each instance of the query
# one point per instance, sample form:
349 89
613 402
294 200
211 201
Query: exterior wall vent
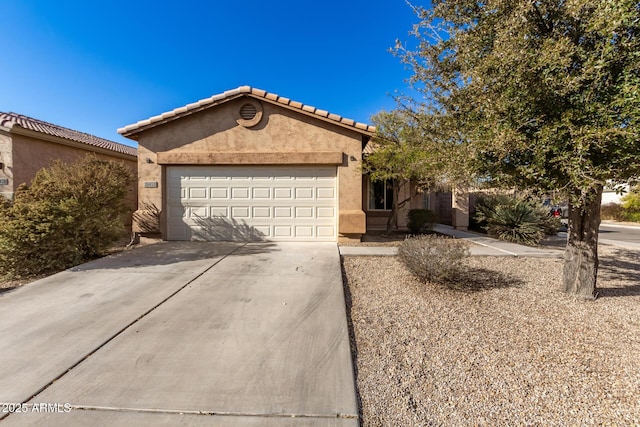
249 113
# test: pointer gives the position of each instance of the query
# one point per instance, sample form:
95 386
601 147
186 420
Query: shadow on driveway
168 253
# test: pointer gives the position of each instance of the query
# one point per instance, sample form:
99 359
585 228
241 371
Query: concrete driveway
182 333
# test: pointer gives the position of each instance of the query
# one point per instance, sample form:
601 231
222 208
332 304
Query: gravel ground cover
504 347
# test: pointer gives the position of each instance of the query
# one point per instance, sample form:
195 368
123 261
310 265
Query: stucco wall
280 131
6 158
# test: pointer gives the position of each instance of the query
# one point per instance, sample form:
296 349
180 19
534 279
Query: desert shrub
432 258
631 200
421 220
516 219
550 224
612 211
631 205
486 203
69 214
632 216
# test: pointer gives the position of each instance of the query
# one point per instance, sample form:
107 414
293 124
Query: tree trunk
580 269
392 220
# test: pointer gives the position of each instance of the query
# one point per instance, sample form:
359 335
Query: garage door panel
325 193
197 193
219 193
264 231
282 193
304 193
282 231
251 203
199 212
282 212
325 231
261 193
261 212
304 212
219 211
176 193
240 211
240 193
325 212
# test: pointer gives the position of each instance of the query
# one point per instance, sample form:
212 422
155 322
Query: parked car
558 210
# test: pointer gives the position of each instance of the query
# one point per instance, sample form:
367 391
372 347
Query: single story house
251 165
28 145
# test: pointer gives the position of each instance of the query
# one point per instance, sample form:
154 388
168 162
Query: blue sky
98 66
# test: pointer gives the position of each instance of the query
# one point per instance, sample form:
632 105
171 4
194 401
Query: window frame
370 189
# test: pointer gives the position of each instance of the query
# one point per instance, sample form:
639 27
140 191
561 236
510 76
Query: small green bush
631 205
516 219
631 200
432 258
632 216
69 214
421 220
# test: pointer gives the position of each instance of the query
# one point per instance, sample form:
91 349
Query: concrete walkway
182 333
481 246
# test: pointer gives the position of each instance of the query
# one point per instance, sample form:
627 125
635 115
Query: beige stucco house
28 145
248 164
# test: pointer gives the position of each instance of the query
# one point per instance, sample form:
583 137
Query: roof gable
11 120
133 129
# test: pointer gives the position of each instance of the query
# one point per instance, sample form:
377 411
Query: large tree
544 95
405 155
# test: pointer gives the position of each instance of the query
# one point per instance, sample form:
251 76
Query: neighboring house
248 164
28 145
609 194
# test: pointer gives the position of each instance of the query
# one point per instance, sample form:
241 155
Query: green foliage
515 219
542 95
402 152
631 201
432 258
421 220
69 214
632 216
404 149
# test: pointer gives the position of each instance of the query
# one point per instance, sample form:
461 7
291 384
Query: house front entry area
251 203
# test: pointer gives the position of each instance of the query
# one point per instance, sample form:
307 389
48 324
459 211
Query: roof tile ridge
42 125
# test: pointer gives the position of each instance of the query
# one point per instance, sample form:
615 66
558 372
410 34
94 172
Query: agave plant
516 220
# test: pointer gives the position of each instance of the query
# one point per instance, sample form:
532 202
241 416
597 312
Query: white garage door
243 203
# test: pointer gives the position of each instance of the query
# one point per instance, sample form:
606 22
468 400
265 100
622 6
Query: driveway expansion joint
212 412
122 330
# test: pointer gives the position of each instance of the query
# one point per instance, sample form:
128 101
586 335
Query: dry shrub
612 211
433 258
69 214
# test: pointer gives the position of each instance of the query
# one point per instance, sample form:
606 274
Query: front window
380 195
426 202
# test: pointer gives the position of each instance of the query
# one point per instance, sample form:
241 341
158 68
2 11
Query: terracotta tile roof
10 120
234 93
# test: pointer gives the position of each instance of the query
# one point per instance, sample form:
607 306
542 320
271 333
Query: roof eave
132 131
168 117
19 130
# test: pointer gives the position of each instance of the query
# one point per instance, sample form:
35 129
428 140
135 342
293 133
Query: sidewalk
481 246
618 224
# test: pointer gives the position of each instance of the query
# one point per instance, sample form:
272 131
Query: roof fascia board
19 130
160 121
313 115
